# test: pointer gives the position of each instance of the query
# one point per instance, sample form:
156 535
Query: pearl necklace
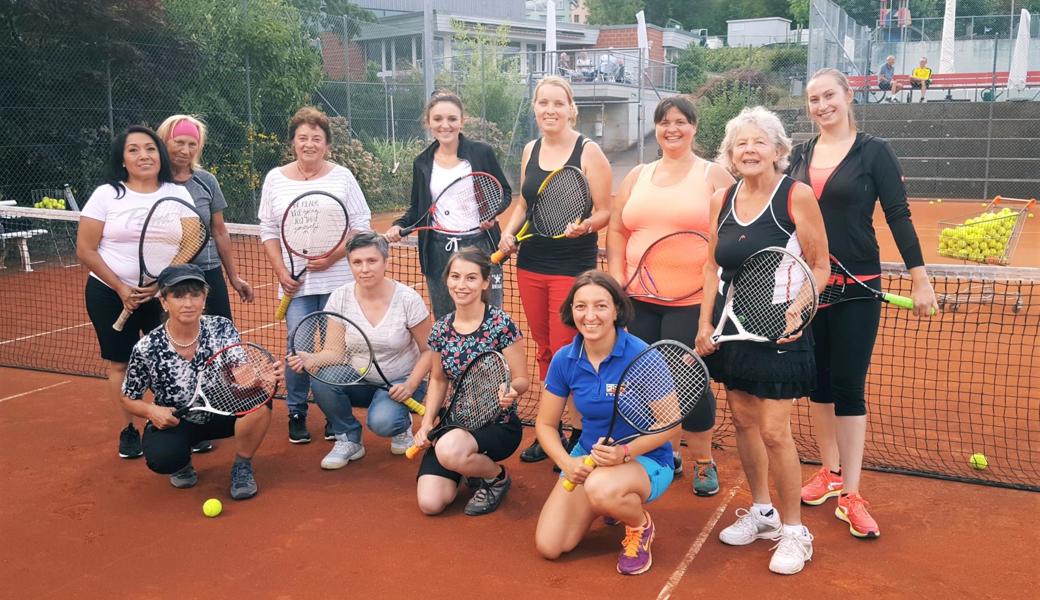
178 344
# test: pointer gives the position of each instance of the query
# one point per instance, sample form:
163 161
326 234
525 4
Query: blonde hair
843 83
562 83
768 122
167 126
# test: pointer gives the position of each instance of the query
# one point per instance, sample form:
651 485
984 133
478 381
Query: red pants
542 296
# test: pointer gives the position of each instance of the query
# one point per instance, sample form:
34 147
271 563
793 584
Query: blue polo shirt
570 372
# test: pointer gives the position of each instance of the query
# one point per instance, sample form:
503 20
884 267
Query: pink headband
185 127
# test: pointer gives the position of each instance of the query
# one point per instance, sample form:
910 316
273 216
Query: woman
850 172
185 137
546 268
310 136
450 156
396 321
766 208
663 197
167 361
137 176
627 476
474 328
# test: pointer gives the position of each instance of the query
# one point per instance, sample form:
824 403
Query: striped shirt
278 191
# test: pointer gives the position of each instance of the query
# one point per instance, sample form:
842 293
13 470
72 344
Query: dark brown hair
310 115
625 312
472 254
436 98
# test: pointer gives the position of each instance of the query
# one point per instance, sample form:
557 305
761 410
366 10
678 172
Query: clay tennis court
78 522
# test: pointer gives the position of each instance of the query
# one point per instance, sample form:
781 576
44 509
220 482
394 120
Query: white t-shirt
454 213
392 342
279 191
124 218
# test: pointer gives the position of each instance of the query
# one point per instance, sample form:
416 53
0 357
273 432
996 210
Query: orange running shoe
852 509
822 485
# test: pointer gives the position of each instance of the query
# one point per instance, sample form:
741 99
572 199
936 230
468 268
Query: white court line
269 325
695 548
40 389
36 335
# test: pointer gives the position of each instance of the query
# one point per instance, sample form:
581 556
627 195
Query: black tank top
772 227
565 256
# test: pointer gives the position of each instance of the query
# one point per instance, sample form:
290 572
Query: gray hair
890 57
369 239
767 121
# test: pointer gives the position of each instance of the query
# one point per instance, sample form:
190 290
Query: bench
22 238
979 82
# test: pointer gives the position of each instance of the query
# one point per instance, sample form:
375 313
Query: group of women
813 199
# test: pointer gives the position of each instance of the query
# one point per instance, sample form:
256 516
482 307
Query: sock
242 459
501 475
798 529
765 510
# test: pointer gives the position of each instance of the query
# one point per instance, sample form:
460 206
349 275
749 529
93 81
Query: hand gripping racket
235 381
173 234
336 351
671 268
314 225
771 297
655 392
475 398
843 286
475 198
563 198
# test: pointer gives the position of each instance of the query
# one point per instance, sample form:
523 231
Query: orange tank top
654 211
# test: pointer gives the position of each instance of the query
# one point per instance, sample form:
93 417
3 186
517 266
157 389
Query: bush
723 98
395 187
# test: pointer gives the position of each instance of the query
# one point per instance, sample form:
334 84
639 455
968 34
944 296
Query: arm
270 238
136 381
719 178
608 456
516 220
550 411
617 234
812 236
705 326
496 169
420 333
393 234
517 361
597 168
222 239
434 398
88 238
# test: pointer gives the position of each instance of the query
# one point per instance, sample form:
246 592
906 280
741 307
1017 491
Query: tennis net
939 390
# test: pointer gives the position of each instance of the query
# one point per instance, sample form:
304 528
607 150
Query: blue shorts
660 476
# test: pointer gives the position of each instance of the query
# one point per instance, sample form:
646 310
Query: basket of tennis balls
51 203
987 237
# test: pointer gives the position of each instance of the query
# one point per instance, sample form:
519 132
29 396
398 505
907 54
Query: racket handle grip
283 307
121 321
499 257
900 301
406 231
181 412
415 407
411 452
570 485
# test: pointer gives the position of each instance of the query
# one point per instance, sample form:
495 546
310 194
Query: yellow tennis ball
212 507
978 461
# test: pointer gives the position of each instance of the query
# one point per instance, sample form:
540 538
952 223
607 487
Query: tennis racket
843 286
474 398
563 198
771 297
478 196
670 268
173 234
236 381
655 392
336 351
314 225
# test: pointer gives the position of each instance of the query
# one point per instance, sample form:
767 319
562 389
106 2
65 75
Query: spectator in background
921 78
565 66
887 79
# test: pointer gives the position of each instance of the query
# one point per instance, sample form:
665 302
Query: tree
488 73
799 10
613 12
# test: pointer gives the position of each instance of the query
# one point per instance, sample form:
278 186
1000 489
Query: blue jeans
297 385
386 417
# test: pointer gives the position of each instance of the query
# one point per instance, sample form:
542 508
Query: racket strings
475 398
314 225
333 348
174 235
239 379
488 196
564 199
661 387
672 265
774 295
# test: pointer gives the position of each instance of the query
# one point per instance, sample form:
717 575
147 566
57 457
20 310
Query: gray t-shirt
887 72
205 191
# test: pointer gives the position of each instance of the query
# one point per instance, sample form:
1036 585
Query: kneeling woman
626 477
457 338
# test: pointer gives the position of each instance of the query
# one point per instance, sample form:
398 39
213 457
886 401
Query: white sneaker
751 526
400 443
791 551
343 451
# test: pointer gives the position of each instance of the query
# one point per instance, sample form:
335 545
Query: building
761 32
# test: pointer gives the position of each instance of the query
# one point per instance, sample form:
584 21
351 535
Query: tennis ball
978 461
212 507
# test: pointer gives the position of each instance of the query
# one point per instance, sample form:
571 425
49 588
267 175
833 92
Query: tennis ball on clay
212 507
978 461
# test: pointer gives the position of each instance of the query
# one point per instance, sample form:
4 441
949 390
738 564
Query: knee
742 420
385 418
601 490
166 460
549 550
431 506
776 437
450 453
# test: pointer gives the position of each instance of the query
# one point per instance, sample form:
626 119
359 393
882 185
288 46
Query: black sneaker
298 433
243 485
130 442
202 447
329 435
185 478
533 453
489 495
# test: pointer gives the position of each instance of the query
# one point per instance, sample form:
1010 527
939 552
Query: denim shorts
660 475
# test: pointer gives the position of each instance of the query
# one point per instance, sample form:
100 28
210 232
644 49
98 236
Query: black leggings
844 335
217 302
655 322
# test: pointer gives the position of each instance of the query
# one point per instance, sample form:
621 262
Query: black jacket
481 158
868 173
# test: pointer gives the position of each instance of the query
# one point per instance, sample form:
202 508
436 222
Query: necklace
175 342
305 176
